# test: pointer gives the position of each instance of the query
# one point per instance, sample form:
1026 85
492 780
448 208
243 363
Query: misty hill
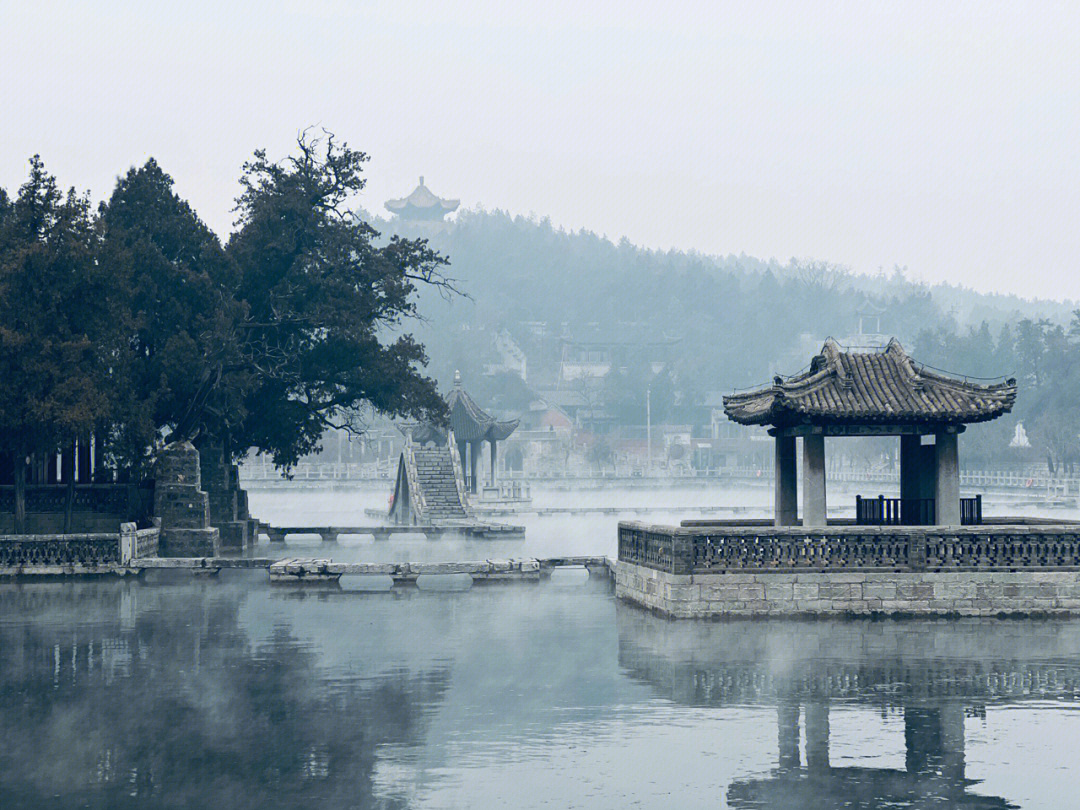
735 320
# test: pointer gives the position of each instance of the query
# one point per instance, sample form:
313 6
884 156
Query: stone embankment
969 593
732 569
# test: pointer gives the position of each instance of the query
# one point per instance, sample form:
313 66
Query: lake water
172 691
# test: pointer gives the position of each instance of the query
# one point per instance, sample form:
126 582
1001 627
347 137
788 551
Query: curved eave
407 207
502 430
787 415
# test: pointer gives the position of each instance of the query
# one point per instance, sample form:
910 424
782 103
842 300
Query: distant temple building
422 206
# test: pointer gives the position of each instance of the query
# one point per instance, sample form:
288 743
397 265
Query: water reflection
176 692
934 673
122 696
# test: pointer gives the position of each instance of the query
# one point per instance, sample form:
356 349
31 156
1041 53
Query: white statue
1020 438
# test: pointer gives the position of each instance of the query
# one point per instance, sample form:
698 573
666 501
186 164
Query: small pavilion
422 206
882 392
472 426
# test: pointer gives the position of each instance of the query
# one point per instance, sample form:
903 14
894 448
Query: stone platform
745 570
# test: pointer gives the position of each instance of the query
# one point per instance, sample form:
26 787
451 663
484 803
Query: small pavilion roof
470 422
422 204
870 388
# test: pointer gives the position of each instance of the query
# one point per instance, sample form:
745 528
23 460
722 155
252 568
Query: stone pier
227 501
182 506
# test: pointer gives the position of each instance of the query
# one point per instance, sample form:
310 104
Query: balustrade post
682 553
917 551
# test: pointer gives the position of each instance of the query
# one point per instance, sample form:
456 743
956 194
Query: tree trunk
68 471
19 465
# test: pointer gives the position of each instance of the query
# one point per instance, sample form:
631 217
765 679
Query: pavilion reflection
933 775
933 672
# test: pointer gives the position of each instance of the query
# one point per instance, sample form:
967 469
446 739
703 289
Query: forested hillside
738 317
738 320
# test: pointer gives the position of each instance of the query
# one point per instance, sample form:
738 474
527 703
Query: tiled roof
870 388
470 422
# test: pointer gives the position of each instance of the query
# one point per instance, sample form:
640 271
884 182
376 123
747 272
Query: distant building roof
881 387
470 422
422 205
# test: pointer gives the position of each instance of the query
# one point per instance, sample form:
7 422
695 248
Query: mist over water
175 692
562 534
588 533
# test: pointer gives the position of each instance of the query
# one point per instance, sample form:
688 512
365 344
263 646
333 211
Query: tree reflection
174 705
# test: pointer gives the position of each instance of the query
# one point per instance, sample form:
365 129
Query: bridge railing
82 549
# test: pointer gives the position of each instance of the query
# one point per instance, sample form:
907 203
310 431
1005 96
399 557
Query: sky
940 137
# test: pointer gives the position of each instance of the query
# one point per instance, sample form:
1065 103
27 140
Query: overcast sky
940 136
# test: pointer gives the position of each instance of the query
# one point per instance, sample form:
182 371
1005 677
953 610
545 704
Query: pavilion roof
470 422
422 203
874 388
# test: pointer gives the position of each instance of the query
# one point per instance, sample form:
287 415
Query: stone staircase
438 486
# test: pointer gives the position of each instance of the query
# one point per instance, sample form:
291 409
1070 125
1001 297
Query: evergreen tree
61 324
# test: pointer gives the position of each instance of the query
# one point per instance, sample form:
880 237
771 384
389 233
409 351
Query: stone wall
227 501
968 593
182 506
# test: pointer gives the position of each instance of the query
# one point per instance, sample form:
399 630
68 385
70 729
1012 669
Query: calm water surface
173 691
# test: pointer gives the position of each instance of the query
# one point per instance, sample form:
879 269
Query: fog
582 534
938 137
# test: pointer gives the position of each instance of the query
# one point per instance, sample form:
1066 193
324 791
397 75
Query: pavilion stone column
946 451
474 466
909 468
494 460
814 480
786 482
918 479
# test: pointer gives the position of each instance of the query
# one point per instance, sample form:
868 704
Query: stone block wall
228 503
181 505
860 593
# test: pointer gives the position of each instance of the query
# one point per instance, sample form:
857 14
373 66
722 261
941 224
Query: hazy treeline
737 320
1045 359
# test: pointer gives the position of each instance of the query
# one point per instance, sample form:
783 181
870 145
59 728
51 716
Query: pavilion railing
971 511
882 511
732 548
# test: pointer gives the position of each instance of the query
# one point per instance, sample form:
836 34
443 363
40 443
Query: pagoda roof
870 388
470 422
422 204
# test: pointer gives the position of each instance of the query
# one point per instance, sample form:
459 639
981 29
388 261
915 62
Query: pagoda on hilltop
422 206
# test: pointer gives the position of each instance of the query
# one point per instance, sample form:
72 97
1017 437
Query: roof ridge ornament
896 349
